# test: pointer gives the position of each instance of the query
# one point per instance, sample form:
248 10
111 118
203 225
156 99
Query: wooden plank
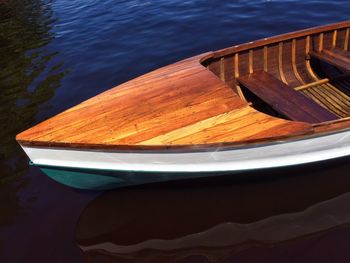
334 39
332 58
231 127
280 62
346 39
284 99
265 58
322 81
339 53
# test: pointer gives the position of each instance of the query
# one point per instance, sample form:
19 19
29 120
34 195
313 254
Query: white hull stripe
269 156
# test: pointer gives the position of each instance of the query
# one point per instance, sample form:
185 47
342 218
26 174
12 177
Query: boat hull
95 179
103 169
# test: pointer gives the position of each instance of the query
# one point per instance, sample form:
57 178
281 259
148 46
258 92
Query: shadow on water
29 76
217 220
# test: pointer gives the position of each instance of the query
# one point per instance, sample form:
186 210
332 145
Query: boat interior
303 76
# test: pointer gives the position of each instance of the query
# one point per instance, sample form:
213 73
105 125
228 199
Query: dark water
55 54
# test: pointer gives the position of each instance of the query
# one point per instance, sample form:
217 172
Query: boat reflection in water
213 220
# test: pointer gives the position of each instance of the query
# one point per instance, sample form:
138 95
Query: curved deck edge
273 39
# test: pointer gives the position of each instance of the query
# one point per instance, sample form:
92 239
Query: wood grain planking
258 59
273 61
153 127
187 101
139 131
194 90
176 134
233 126
340 39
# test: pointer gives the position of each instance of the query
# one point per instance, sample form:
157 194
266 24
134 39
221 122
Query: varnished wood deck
180 104
198 101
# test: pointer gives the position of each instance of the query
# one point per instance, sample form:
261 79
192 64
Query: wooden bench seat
336 57
340 52
284 99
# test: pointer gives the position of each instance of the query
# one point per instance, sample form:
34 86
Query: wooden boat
270 103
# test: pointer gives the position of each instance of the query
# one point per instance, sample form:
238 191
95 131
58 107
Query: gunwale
295 130
277 38
180 148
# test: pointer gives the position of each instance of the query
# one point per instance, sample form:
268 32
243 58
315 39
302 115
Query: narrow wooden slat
295 69
324 124
251 61
307 61
321 100
309 93
345 98
222 69
346 40
334 39
322 81
236 74
312 84
280 63
328 101
307 45
341 98
236 62
320 43
335 100
265 58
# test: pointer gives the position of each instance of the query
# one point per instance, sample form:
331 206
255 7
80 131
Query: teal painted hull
95 179
102 180
83 179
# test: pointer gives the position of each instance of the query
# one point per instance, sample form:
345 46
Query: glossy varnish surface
284 99
199 101
180 104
